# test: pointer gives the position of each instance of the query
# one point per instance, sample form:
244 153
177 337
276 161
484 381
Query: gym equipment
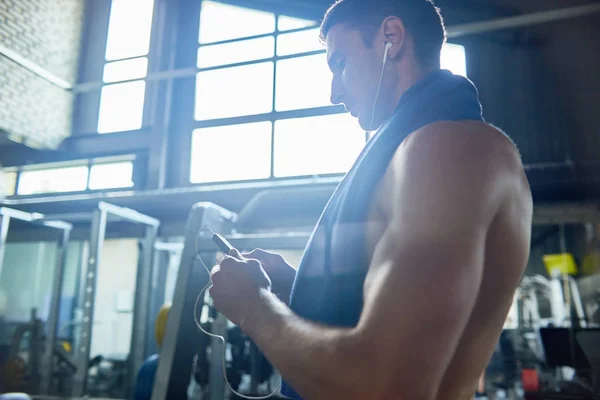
137 353
161 323
42 360
145 379
181 359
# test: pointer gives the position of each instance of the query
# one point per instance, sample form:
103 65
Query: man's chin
364 125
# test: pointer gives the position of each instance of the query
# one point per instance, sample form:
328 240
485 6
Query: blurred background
126 126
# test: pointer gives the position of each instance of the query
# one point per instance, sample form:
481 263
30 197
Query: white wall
111 333
27 277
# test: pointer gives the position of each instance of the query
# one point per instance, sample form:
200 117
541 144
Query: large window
74 176
263 99
127 46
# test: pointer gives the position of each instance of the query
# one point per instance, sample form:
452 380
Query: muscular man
405 284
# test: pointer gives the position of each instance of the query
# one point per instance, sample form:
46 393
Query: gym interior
129 128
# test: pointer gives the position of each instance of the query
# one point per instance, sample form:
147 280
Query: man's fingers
235 254
260 255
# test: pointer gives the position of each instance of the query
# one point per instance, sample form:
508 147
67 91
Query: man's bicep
426 270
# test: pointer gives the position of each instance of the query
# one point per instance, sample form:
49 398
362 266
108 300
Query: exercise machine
45 362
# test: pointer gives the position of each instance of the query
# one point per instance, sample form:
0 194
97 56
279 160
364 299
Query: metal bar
521 20
168 246
566 214
160 267
34 218
181 336
35 68
34 353
289 240
215 378
4 224
128 213
189 72
137 353
272 116
83 352
20 215
57 284
195 189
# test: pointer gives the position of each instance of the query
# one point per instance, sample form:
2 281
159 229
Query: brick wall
46 33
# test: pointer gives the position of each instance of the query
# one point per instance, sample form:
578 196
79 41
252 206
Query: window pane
231 153
129 28
114 175
224 22
235 52
69 179
9 181
125 70
317 145
298 42
303 82
121 107
231 92
453 58
285 23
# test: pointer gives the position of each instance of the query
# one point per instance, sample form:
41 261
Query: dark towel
329 285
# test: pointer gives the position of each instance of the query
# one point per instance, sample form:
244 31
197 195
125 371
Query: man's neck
407 77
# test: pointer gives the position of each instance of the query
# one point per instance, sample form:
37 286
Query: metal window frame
81 162
273 115
42 383
142 291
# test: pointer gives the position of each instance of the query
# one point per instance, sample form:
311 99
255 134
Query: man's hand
281 273
238 286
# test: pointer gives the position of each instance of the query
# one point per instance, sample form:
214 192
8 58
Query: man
405 284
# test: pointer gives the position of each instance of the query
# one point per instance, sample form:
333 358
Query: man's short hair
422 20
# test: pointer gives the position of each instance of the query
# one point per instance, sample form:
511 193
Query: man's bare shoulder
458 157
477 146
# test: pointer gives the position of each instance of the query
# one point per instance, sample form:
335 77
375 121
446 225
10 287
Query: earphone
388 46
225 247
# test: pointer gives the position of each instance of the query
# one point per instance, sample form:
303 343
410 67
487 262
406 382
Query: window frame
162 146
87 162
272 116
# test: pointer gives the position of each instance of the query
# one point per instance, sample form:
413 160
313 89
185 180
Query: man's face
356 71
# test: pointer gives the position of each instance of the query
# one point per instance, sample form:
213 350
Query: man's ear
395 33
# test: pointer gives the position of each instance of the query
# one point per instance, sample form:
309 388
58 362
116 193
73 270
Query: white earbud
388 46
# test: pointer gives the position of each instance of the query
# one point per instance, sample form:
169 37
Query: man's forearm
319 362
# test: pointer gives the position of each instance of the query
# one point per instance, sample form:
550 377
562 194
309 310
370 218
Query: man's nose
337 91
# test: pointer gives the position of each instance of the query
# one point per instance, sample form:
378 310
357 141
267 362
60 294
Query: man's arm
422 283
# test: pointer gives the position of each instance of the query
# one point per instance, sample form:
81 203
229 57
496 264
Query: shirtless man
447 236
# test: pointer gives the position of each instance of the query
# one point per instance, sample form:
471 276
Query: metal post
157 295
83 352
141 308
216 381
254 368
177 354
34 352
161 262
4 224
57 284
